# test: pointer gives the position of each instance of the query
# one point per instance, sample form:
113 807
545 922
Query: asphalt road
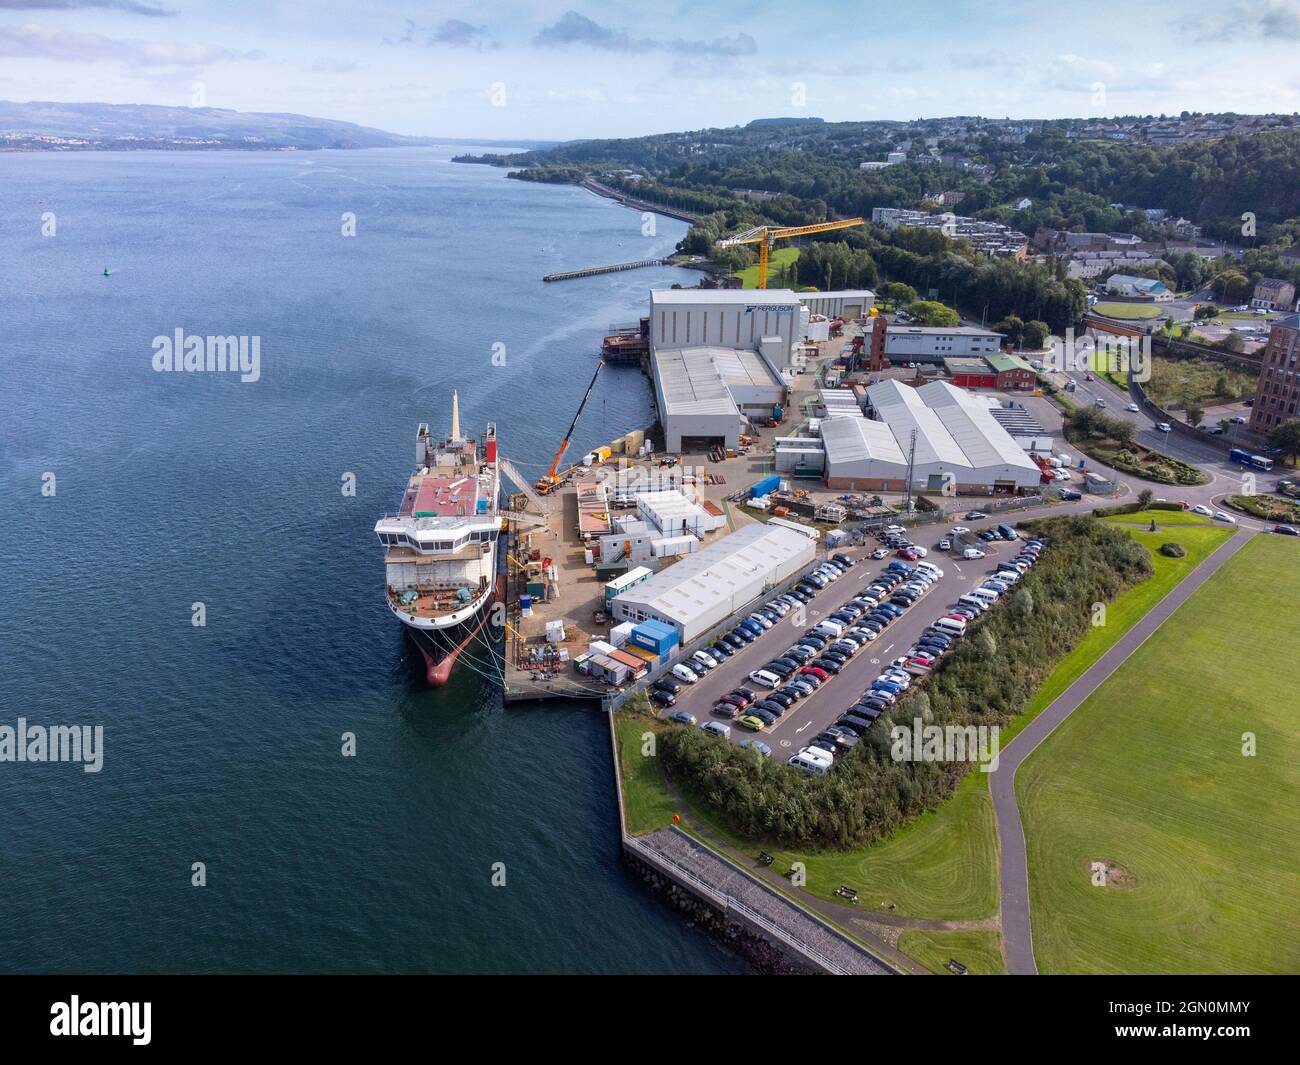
807 717
1017 937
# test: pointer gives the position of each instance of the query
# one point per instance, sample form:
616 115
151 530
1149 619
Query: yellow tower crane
766 236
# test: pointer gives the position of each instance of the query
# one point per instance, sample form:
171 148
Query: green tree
896 294
1035 335
1287 437
931 312
1195 415
1013 328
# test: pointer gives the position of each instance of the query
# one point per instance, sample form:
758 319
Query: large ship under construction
440 552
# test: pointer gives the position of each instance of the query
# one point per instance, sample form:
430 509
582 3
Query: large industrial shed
843 303
767 320
959 446
702 393
702 590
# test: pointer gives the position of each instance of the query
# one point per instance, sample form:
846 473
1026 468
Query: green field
942 866
779 259
1149 778
648 804
1127 310
979 951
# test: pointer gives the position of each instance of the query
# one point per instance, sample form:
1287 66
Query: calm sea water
222 743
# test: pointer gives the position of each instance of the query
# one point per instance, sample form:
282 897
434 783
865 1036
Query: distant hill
783 122
43 125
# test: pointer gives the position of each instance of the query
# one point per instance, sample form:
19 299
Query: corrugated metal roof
698 380
901 407
853 439
723 296
699 582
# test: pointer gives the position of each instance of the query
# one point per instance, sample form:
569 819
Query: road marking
802 727
887 649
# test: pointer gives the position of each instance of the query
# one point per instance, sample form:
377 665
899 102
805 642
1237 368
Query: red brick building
1277 399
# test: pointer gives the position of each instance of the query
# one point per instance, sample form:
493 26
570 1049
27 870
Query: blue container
525 602
766 486
655 636
482 506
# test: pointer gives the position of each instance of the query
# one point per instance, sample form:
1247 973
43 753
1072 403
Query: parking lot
813 713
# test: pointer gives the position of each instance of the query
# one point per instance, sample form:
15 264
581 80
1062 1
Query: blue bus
1247 459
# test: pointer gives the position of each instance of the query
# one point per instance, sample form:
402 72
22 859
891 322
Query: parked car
682 717
1070 494
685 673
662 698
972 553
669 685
975 515
754 724
880 552
757 745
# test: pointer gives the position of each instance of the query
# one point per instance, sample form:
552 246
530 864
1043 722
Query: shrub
1173 550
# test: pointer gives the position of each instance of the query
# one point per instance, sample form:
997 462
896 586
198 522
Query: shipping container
654 636
766 486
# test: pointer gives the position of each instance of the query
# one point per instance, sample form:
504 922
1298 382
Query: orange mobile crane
766 236
551 481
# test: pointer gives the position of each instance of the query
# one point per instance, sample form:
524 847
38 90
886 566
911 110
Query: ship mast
455 437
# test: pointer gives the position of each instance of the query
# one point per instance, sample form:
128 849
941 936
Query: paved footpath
1017 933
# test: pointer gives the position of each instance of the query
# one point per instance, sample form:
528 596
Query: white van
951 625
987 594
974 602
830 628
800 761
930 567
763 677
685 674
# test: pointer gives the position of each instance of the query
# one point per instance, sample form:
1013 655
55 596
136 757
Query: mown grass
777 261
1150 775
979 951
1127 310
645 798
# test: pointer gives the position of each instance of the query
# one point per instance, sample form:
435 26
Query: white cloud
66 46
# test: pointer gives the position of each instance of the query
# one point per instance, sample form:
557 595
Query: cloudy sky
510 69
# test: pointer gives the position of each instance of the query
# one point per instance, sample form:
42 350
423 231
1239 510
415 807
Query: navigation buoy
676 819
106 273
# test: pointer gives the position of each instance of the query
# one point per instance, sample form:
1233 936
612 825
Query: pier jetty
591 271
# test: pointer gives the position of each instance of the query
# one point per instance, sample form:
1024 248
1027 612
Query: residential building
1277 397
1273 294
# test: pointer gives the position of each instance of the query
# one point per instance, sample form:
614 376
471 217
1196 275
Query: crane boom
548 482
766 236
